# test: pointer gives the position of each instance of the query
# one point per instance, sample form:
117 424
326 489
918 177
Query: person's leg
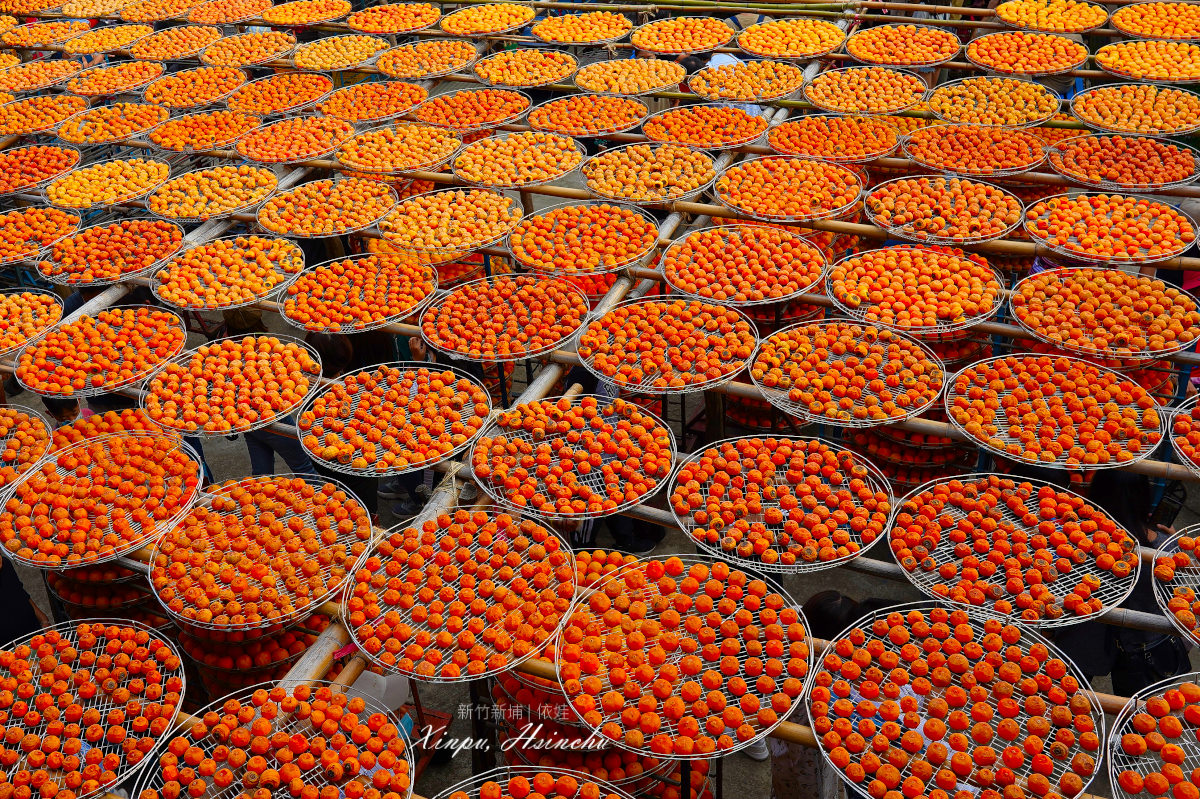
198 445
262 457
289 449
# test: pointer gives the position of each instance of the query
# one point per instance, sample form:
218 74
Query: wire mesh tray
571 66
532 442
247 147
154 138
362 105
762 90
1062 459
855 337
1145 257
224 42
248 205
36 247
595 86
24 460
1176 577
553 250
909 233
645 47
129 87
75 129
682 377
169 372
227 12
697 111
1062 162
848 178
431 162
661 192
824 49
297 104
1141 724
430 70
499 138
1045 688
93 463
1174 7
896 58
472 125
283 706
1041 295
331 289
48 269
505 28
468 293
67 642
553 122
29 116
192 103
674 265
1054 29
137 52
768 527
957 165
522 558
881 151
359 21
836 75
974 58
201 281
1175 105
473 787
562 41
646 588
133 193
82 44
1189 457
93 598
11 83
404 239
941 552
959 102
31 35
859 312
302 50
316 442
274 513
1187 61
387 196
10 341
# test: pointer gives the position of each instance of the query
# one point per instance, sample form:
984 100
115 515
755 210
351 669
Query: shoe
758 750
392 489
404 509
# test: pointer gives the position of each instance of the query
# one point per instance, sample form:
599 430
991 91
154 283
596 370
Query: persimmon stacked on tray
573 457
846 373
89 354
231 385
989 704
235 739
98 500
464 594
296 541
126 688
743 657
1057 411
667 345
357 426
1020 549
